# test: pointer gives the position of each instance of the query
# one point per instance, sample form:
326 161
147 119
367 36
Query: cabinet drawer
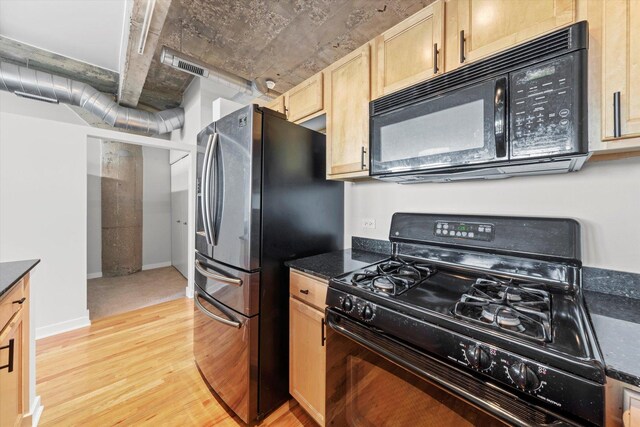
7 306
308 289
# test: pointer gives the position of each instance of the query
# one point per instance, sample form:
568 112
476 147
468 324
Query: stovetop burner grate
393 277
521 309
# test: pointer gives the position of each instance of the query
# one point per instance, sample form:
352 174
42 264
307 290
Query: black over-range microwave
519 112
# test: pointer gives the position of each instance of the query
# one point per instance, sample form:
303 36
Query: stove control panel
465 230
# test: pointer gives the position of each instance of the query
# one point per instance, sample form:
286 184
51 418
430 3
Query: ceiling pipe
257 88
42 86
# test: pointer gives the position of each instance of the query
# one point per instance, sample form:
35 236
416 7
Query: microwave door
461 127
236 183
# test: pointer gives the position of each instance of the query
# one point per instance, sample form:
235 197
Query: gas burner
393 277
523 309
502 316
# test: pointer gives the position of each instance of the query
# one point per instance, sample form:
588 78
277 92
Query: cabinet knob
462 41
20 301
304 291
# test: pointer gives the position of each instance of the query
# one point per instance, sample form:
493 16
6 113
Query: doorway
137 222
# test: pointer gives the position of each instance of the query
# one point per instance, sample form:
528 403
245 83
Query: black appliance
489 309
260 183
519 112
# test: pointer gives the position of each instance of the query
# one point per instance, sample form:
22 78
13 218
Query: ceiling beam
135 66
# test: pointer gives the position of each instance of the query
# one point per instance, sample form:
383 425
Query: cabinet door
11 383
410 52
631 407
347 97
621 66
493 25
305 99
307 362
277 105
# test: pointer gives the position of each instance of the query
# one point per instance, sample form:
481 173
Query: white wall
156 208
603 196
43 204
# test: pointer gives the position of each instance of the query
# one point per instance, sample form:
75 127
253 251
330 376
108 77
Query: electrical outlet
368 223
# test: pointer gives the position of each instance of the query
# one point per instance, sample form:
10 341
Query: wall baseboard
94 275
66 326
157 265
35 413
188 291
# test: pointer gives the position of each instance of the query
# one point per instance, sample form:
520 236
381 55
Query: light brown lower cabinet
307 355
14 353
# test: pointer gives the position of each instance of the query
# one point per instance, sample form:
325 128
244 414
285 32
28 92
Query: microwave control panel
465 230
544 115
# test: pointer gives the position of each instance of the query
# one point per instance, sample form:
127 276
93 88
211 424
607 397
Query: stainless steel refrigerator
262 199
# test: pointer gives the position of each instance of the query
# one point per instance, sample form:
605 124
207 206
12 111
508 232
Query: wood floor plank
135 368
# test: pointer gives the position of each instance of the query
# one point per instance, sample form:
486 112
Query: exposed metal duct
51 88
181 62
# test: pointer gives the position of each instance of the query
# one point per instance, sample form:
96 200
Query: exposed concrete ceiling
286 40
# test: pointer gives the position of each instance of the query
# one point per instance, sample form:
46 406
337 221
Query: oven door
462 127
373 380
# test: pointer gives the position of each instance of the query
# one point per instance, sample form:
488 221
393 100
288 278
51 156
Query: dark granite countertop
332 264
616 323
12 272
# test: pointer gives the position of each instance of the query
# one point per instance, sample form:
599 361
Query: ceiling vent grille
192 68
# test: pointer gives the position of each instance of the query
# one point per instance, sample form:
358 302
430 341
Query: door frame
166 144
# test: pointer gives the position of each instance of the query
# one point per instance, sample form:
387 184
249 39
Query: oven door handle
420 364
500 117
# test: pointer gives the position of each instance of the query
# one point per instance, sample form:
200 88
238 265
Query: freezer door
225 346
231 187
237 289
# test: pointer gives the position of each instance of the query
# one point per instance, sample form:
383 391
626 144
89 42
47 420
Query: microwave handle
500 117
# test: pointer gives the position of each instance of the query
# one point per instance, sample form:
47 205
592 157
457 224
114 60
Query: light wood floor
134 368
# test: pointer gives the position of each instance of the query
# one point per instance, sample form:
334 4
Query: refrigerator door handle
213 316
205 190
219 176
213 171
231 280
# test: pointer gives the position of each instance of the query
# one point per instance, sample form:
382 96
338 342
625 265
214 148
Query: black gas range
497 298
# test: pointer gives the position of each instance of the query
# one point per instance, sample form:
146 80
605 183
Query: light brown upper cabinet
347 96
485 27
410 52
306 99
277 105
621 69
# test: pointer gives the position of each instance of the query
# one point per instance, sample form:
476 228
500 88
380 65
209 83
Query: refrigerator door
231 181
236 289
225 346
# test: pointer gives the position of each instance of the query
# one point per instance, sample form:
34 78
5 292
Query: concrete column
121 208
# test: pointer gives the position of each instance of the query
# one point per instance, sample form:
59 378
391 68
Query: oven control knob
478 357
347 304
524 377
367 312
